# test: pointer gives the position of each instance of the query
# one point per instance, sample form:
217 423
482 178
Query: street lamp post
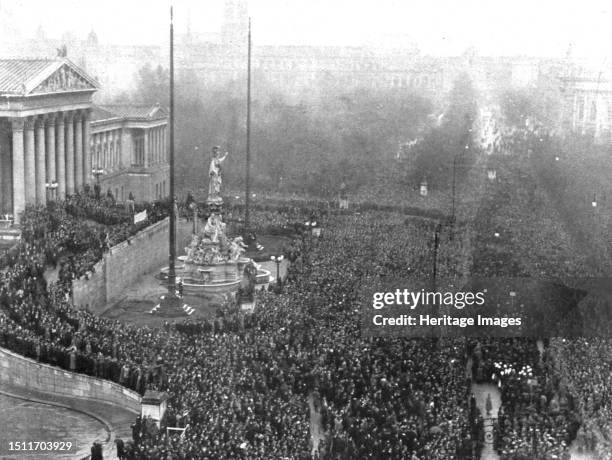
437 232
97 172
423 188
51 190
455 158
278 260
314 229
308 227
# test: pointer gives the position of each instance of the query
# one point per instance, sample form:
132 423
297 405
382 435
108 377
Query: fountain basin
213 279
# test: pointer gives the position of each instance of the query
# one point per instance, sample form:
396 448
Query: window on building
581 109
164 188
593 114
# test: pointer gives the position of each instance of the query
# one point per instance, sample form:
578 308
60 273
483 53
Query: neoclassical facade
587 108
45 122
129 151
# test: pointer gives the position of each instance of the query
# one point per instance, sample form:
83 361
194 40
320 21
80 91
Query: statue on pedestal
214 230
216 176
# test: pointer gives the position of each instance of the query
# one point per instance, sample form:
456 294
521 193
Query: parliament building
54 140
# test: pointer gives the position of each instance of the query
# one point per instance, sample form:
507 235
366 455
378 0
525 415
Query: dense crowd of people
586 365
542 412
242 386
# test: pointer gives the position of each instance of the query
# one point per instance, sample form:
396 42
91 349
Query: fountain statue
213 246
212 261
216 176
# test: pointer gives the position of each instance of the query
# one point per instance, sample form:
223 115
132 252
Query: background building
587 107
299 73
129 151
45 107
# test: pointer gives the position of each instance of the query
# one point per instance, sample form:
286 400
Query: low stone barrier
24 372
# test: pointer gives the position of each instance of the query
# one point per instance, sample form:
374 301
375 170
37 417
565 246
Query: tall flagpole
172 232
171 305
248 140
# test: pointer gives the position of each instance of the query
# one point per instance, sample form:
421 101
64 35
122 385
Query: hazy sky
531 27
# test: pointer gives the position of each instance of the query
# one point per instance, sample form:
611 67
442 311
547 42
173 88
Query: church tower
235 23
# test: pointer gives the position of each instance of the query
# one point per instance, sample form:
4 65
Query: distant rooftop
132 112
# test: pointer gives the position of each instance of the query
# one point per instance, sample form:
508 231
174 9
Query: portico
45 107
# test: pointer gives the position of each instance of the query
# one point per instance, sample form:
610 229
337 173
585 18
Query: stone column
18 168
78 152
60 156
96 138
5 206
156 145
101 150
166 148
105 150
119 149
29 162
41 158
152 146
161 144
111 150
50 148
87 163
69 153
145 161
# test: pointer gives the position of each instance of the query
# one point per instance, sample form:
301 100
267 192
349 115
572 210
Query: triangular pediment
66 77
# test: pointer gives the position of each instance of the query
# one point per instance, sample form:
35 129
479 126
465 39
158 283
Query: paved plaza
40 416
32 421
140 298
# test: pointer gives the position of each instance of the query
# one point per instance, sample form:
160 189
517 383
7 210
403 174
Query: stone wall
128 261
124 263
27 373
90 291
